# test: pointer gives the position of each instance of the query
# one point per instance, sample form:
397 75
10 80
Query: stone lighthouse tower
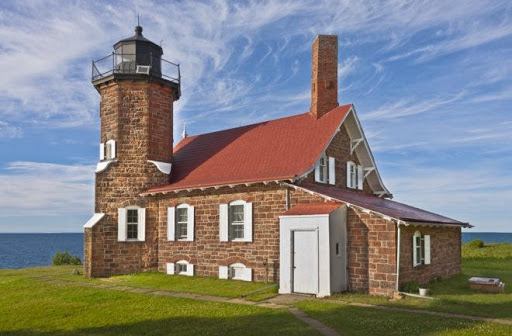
138 88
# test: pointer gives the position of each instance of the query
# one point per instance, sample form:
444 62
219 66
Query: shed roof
324 208
383 206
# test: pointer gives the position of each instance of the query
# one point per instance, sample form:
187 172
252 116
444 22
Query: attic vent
143 69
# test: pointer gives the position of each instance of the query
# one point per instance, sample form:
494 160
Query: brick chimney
324 76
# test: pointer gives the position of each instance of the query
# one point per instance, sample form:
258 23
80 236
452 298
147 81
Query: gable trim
354 143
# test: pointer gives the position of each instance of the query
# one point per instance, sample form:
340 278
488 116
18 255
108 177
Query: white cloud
8 131
46 189
404 108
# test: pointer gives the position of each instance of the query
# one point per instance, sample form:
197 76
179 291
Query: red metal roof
381 205
279 149
312 209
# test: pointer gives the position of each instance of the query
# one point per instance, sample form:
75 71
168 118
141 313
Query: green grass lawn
179 283
31 307
350 320
454 295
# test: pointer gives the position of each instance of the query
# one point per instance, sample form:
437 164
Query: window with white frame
236 271
355 176
181 267
131 224
108 150
321 170
235 221
180 223
420 249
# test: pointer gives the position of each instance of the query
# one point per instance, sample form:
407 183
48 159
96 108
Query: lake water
19 250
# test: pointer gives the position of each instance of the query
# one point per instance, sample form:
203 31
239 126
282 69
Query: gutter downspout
397 285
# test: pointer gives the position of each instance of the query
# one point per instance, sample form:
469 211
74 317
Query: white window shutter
121 224
223 222
426 241
171 224
248 222
317 172
360 177
414 251
113 149
223 272
332 170
349 177
170 268
142 225
190 223
102 151
190 270
247 274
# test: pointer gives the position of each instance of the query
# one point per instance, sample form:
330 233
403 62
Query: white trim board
94 220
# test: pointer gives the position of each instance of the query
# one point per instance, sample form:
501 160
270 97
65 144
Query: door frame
292 259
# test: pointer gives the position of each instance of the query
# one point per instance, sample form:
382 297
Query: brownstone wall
445 253
207 252
340 150
130 111
371 253
324 76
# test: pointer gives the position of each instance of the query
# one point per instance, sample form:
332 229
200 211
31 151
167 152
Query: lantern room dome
136 57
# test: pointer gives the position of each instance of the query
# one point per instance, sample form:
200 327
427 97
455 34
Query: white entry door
305 262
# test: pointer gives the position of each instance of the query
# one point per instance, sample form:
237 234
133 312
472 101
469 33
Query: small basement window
181 268
237 271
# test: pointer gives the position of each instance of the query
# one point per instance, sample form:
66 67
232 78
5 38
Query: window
181 223
236 221
355 176
131 224
181 268
421 249
321 170
236 271
108 150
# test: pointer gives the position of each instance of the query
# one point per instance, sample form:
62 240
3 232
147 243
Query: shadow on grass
262 324
350 320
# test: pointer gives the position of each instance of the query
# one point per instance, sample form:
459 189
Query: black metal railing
117 63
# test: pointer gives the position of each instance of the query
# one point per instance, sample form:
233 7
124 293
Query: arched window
237 220
181 267
182 218
180 223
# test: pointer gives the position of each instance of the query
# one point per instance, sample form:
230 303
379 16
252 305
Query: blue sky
431 82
